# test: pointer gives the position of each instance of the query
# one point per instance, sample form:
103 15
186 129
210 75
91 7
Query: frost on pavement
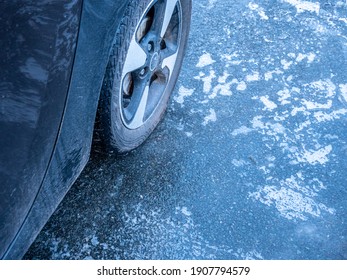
211 117
174 236
304 6
182 93
293 198
287 99
205 60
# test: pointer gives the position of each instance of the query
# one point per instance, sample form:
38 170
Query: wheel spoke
136 57
169 62
138 118
169 9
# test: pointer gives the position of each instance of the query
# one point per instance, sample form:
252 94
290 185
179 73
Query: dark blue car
65 64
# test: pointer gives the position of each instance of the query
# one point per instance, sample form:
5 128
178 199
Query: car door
37 40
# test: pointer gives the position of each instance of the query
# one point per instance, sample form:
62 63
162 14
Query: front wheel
142 71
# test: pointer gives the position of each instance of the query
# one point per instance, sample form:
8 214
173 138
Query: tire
143 68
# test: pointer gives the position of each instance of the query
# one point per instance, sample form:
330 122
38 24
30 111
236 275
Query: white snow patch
315 157
269 75
269 105
253 77
207 80
205 60
276 128
212 117
222 89
314 105
241 86
300 57
293 197
323 117
286 64
310 57
302 126
222 79
297 110
326 86
284 95
343 89
257 123
304 6
185 211
319 28
182 93
229 57
271 129
255 7
291 204
242 130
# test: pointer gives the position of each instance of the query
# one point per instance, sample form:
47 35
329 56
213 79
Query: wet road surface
250 160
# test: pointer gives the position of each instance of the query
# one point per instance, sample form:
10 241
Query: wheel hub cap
154 61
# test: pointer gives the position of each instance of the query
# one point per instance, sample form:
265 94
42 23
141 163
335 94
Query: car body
54 55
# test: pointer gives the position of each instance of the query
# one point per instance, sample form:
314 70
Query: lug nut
150 46
143 72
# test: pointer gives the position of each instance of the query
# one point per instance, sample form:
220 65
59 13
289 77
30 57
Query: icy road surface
251 159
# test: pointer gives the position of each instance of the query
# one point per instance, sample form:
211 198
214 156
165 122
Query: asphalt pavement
250 160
